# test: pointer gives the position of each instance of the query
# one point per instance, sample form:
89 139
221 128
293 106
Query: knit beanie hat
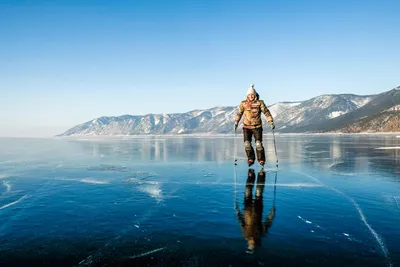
251 90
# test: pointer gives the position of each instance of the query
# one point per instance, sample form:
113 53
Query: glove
236 125
272 125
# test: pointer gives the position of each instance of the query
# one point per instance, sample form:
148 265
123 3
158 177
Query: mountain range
323 113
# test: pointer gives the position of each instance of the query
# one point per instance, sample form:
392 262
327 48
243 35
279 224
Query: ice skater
251 109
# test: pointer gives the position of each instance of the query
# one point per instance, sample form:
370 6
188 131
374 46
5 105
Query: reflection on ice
254 226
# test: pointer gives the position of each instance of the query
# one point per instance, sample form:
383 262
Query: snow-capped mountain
318 109
303 116
375 106
215 120
386 121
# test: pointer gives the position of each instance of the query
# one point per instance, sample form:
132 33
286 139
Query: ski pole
235 146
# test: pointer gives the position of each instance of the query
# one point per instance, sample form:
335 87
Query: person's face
251 97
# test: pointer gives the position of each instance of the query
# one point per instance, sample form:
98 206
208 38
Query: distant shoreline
230 134
213 135
138 136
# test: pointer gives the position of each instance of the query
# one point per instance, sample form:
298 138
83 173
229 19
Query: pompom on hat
251 90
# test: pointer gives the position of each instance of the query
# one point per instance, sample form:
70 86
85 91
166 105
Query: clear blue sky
67 62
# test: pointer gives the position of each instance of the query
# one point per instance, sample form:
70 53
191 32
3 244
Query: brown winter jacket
252 113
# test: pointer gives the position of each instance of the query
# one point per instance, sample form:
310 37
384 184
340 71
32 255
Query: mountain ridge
321 113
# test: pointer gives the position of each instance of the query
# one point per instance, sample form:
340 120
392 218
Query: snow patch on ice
85 180
13 203
92 181
8 186
153 190
308 222
146 253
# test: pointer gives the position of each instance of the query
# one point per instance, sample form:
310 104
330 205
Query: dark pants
248 135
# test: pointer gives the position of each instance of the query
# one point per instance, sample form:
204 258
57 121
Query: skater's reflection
251 221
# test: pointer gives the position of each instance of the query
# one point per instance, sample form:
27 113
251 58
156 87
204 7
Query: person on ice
251 109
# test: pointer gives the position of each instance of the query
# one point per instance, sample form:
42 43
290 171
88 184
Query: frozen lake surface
334 200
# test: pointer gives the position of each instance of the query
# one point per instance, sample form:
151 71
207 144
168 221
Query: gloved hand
236 125
272 125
